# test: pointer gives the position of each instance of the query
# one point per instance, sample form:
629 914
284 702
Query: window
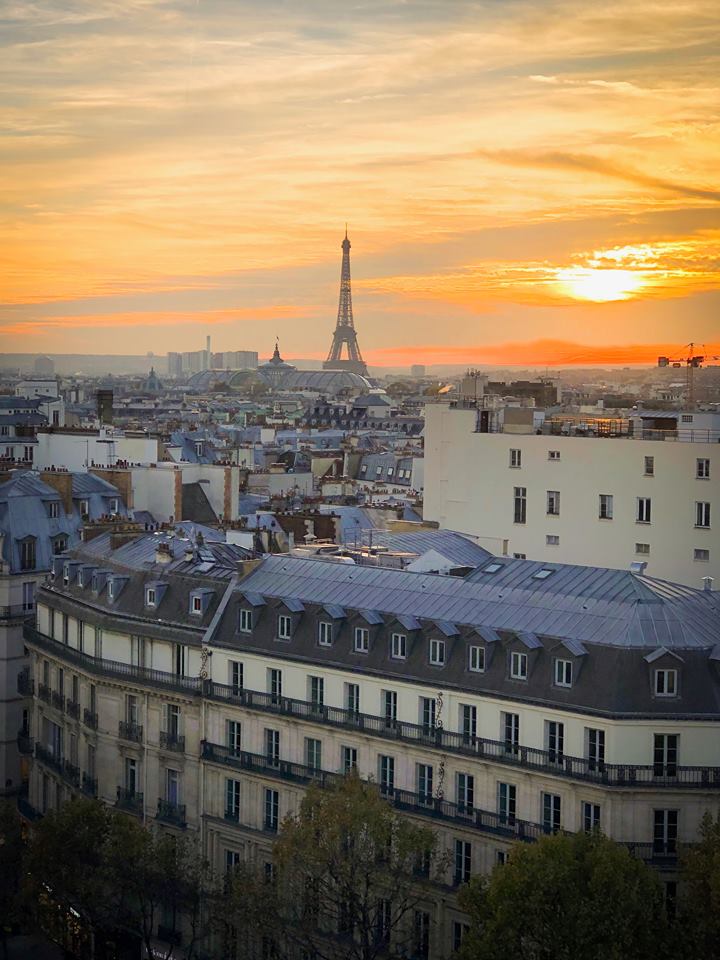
463 861
246 620
313 753
665 831
27 553
131 776
54 509
468 722
272 745
591 817
643 510
665 754
501 857
348 759
642 549
91 761
519 504
284 627
172 786
150 597
701 555
516 458
114 505
28 596
180 660
352 698
552 540
477 659
511 732
325 638
362 640
232 860
390 707
506 802
563 673
383 921
398 646
427 714
236 675
666 683
550 812
424 779
555 741
421 944
272 810
111 589
131 710
595 748
460 931
518 666
274 683
316 692
437 652
686 418
553 503
196 605
386 774
232 799
519 556
465 792
649 466
59 544
605 508
233 731
702 514
84 509
702 469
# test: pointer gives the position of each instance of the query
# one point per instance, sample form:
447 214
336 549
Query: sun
601 286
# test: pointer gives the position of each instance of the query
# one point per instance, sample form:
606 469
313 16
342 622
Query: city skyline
526 183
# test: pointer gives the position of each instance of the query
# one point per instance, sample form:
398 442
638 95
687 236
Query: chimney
105 407
707 583
163 553
62 482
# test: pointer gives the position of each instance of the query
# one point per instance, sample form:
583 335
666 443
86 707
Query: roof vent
707 583
638 567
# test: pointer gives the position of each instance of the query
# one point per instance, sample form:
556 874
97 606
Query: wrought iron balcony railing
72 708
172 741
44 692
49 758
25 742
170 812
89 785
58 701
25 683
90 718
127 730
129 800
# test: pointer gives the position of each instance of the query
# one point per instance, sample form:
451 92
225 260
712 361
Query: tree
578 897
700 899
348 873
11 869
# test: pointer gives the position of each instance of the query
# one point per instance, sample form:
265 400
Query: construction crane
691 362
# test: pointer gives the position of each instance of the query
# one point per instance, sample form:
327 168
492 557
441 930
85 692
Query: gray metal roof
585 604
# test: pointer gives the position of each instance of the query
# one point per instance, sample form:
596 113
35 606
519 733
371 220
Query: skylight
492 568
542 574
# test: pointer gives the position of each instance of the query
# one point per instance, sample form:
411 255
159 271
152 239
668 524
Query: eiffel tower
345 328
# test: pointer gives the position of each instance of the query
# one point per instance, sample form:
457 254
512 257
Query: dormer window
94 583
66 574
245 620
53 509
284 627
563 673
84 508
666 683
325 637
198 448
476 659
27 553
362 640
196 605
59 544
437 652
518 666
111 590
150 597
114 505
398 646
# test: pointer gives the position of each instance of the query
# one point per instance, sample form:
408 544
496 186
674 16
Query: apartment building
585 498
206 691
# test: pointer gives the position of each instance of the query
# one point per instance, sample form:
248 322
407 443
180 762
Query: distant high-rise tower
345 328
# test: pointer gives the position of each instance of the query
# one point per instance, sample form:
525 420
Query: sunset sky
524 182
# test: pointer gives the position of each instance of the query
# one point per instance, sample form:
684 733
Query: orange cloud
537 353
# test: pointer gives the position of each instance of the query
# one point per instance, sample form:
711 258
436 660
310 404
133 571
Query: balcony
71 773
72 708
485 822
129 800
25 683
25 743
172 741
49 758
58 701
44 692
90 718
170 812
89 785
127 730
